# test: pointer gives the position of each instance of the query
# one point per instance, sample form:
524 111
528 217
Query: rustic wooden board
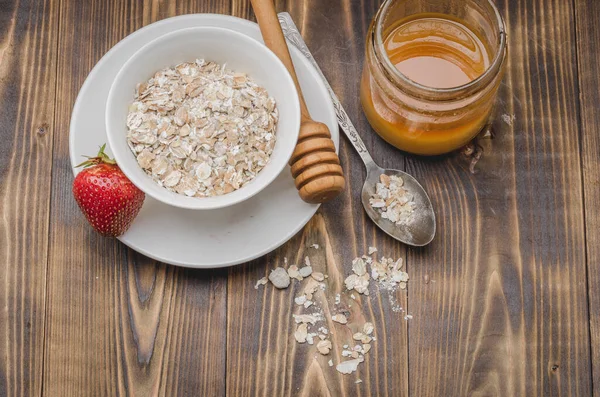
500 299
28 39
587 13
507 314
119 323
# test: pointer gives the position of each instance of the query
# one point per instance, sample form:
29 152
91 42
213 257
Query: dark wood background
511 305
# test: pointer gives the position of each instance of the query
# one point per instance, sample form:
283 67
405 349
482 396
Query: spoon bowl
420 229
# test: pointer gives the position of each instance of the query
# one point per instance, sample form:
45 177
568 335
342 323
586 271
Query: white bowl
241 54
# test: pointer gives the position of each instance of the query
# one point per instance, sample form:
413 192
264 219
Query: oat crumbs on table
200 129
356 336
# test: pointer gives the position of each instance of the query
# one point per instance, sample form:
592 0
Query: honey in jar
430 78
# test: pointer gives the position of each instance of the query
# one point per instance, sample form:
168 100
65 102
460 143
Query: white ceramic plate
201 239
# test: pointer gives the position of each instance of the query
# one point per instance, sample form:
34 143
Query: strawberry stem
101 158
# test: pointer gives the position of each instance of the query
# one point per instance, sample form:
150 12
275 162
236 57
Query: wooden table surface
511 305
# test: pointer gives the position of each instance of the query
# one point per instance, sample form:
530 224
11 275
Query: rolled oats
200 129
350 366
305 271
279 278
311 327
318 276
392 201
300 300
324 347
301 333
339 318
293 272
260 282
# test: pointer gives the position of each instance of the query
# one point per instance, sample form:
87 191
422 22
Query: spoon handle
291 33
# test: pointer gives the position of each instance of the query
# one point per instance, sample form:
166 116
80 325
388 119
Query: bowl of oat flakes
203 118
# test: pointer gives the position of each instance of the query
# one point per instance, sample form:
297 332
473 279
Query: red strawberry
109 200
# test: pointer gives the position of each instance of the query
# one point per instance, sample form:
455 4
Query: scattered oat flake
301 333
366 347
408 317
318 276
305 271
293 272
324 347
372 250
307 261
310 287
315 246
362 284
280 278
330 362
359 267
260 282
307 318
300 300
350 366
508 119
337 299
358 381
339 318
350 281
368 328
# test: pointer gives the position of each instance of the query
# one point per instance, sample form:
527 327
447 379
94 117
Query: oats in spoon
392 200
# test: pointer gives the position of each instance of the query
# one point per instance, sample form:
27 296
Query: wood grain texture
119 323
587 13
500 298
507 314
28 39
262 356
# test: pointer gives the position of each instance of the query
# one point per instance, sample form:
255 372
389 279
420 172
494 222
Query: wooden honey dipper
315 165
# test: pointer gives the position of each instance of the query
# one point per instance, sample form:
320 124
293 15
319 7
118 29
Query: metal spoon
420 230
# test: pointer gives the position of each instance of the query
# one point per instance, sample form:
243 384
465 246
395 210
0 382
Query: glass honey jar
432 71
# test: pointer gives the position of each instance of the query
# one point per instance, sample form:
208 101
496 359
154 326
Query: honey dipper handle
314 164
274 39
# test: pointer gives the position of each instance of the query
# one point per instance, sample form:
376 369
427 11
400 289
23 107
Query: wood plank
507 314
119 323
262 356
587 13
28 40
